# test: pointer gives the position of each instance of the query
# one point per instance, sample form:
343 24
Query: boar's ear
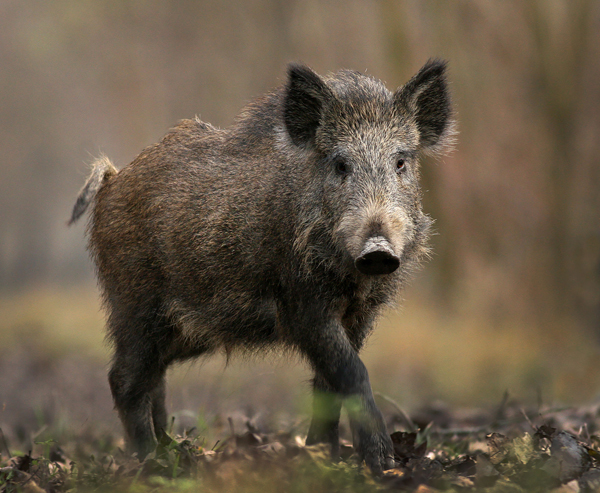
305 96
426 98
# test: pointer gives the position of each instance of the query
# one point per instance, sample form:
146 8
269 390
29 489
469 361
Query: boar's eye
400 165
341 167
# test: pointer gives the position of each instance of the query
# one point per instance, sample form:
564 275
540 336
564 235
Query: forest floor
240 425
505 449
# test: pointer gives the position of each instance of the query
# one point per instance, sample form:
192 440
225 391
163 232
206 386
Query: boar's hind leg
159 409
137 383
324 427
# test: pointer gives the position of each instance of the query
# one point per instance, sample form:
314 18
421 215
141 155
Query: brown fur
249 238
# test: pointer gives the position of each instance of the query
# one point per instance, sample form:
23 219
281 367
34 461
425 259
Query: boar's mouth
377 258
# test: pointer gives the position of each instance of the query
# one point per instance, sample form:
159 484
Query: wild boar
293 227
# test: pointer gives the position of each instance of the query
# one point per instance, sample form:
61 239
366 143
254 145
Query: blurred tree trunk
404 24
517 204
566 35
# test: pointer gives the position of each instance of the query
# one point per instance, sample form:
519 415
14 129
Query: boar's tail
102 169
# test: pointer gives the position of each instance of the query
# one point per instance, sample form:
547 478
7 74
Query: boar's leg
324 342
159 409
324 427
138 388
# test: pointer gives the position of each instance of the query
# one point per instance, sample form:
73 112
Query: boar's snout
378 257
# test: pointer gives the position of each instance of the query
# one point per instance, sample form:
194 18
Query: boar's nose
377 257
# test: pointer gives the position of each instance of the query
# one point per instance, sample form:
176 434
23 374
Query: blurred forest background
511 298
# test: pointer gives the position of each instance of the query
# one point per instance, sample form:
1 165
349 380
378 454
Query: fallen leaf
497 447
523 448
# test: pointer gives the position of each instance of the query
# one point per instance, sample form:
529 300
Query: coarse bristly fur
291 228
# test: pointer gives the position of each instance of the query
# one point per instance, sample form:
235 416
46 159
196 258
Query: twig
39 432
584 429
528 420
501 408
231 428
409 422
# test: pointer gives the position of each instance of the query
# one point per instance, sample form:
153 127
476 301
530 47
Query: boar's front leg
323 340
324 427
